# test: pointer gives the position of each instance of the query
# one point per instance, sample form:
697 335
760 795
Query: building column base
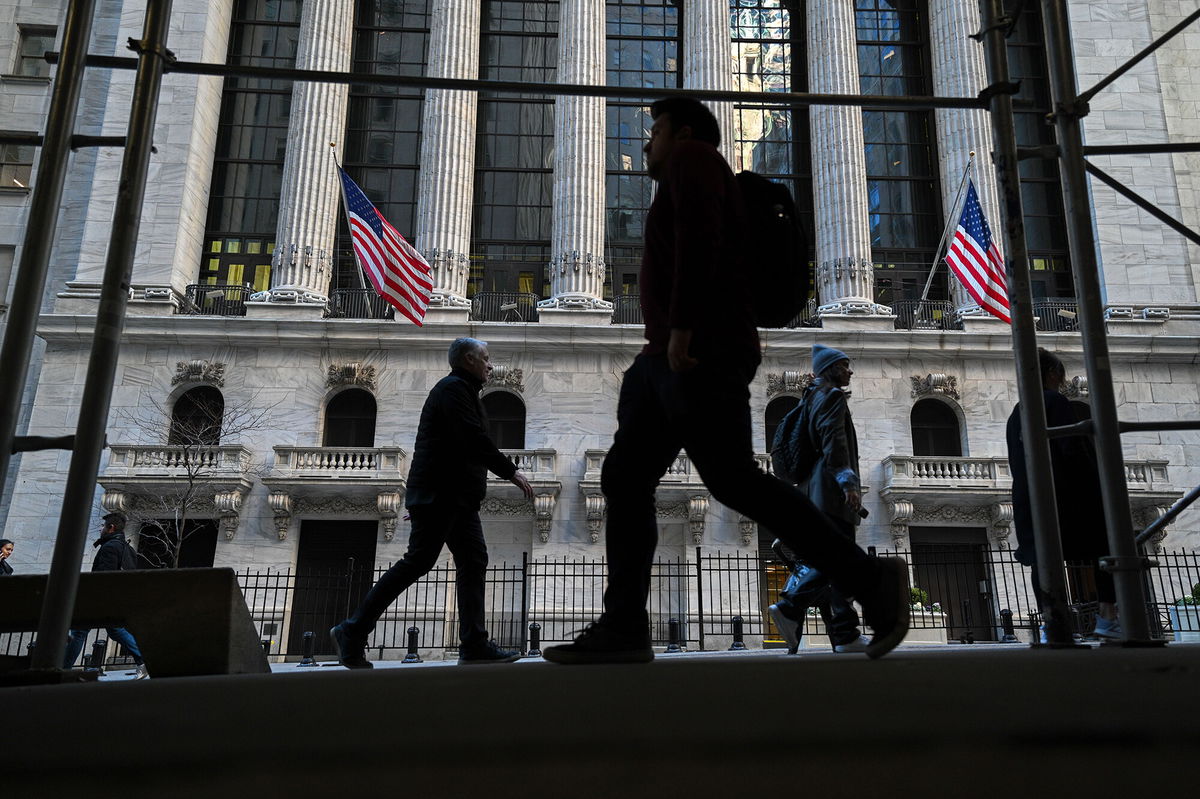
836 321
562 316
285 310
447 315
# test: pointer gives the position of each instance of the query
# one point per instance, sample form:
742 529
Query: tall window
935 429
1041 192
506 419
514 158
197 417
902 184
350 419
776 410
243 206
34 42
769 56
383 134
16 166
643 47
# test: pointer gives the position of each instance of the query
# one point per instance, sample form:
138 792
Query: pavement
972 721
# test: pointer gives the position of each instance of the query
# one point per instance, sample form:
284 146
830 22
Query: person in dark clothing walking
6 550
113 553
824 429
1081 521
689 389
446 483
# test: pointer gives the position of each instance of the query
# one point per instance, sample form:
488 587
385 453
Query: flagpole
951 221
362 284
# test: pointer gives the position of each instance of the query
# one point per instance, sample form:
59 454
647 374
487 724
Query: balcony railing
171 460
1056 315
1146 475
359 304
504 306
808 316
901 471
215 300
928 315
339 462
535 463
627 309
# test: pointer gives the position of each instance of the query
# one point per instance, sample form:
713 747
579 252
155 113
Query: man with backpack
816 448
113 553
689 388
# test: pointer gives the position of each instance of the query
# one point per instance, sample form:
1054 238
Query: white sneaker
857 645
140 673
1108 629
789 629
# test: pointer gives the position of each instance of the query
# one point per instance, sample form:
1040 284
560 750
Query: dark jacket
114 554
5 569
692 276
453 452
1076 487
831 434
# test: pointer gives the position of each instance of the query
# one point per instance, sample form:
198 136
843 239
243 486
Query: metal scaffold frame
154 60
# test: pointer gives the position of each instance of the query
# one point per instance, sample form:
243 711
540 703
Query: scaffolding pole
63 581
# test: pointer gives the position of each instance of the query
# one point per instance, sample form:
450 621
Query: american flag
398 272
976 261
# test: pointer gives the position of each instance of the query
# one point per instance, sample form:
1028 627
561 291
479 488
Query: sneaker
885 607
859 644
600 643
1042 637
1108 629
140 672
351 652
485 652
788 627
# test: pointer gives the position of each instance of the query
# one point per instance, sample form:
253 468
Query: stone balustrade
1148 475
946 472
339 462
176 460
537 464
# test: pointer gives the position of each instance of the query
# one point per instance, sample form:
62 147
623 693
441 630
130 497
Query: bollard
412 656
266 645
535 640
871 551
673 636
95 661
738 644
307 649
1006 624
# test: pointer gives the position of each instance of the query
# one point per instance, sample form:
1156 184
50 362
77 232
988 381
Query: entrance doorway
949 564
335 567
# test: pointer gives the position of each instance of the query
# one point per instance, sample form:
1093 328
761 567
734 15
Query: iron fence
627 309
361 303
967 594
928 315
1056 315
504 306
215 300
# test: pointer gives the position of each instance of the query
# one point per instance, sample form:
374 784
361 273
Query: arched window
350 419
506 419
935 429
196 417
776 410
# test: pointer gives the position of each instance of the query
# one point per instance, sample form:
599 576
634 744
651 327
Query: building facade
247 306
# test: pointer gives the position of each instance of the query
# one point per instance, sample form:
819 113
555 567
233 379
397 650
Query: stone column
577 247
959 70
447 177
845 275
708 60
310 197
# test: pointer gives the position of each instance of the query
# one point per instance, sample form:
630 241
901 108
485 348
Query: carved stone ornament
935 383
594 505
281 504
697 509
673 510
117 502
388 503
336 506
506 507
1002 517
543 509
350 374
790 382
229 505
1145 516
746 527
977 514
1077 388
199 371
902 512
506 377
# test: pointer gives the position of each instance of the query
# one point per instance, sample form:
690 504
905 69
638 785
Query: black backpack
775 249
793 455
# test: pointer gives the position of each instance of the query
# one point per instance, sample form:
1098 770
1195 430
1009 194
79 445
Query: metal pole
1029 379
42 223
1124 562
102 363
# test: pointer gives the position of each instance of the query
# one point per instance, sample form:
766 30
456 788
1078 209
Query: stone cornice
186 330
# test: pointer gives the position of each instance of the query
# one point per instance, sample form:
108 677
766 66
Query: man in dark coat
1081 521
446 483
689 388
826 430
113 553
6 550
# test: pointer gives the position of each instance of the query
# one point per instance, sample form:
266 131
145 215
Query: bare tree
206 467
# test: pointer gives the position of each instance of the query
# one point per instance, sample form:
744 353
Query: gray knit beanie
824 357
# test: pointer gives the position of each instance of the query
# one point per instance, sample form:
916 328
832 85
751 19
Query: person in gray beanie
823 451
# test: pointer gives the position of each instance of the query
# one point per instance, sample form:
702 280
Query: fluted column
311 191
708 59
448 152
577 245
845 275
959 70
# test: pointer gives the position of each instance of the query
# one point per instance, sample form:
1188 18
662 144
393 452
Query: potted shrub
1185 617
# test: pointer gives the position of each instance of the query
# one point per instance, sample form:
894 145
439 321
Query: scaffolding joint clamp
1076 109
141 47
1006 87
1130 563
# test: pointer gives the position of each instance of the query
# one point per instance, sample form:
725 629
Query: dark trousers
806 588
77 638
433 526
707 412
